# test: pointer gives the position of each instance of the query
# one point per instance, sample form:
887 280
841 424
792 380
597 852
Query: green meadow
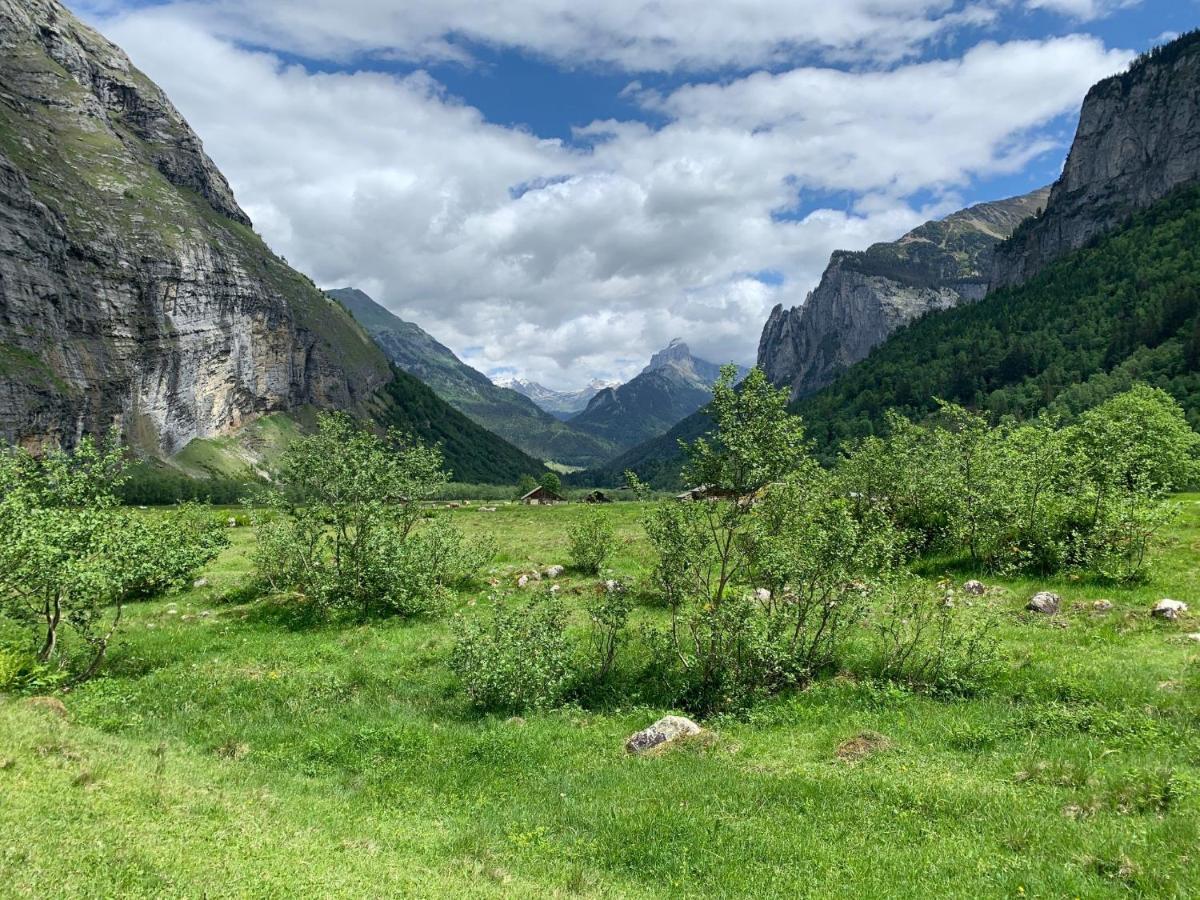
232 747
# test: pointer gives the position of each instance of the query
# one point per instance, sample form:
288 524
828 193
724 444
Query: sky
557 188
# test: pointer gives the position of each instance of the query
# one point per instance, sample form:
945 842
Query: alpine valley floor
231 749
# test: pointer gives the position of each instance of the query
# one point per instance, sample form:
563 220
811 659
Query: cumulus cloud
565 260
1084 10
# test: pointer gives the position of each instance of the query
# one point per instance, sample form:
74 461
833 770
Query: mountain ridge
505 412
864 296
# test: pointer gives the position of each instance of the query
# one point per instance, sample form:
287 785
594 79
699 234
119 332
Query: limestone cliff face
863 297
1138 139
132 288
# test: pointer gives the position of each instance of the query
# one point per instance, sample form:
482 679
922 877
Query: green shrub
591 542
343 530
519 660
924 638
71 556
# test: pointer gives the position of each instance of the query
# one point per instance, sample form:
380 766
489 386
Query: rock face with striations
1138 139
863 297
132 289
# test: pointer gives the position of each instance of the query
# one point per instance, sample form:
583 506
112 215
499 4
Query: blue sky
556 188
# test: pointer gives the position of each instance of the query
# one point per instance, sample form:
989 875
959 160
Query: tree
71 556
552 483
344 529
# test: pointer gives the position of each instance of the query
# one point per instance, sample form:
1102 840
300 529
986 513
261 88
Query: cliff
1138 139
865 296
133 290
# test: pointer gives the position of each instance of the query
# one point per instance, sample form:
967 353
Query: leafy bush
519 660
608 614
591 542
343 529
71 556
923 638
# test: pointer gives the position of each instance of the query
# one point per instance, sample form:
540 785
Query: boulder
1045 602
1194 636
200 583
613 586
1102 605
975 588
523 581
762 595
554 571
1169 609
665 731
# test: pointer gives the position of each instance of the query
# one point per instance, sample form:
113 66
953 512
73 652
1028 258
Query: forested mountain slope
1123 310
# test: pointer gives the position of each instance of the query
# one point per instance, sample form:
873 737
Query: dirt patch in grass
862 745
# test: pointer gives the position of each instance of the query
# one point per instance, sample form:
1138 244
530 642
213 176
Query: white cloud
561 263
1083 10
639 35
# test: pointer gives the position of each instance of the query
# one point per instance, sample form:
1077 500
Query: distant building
541 496
597 497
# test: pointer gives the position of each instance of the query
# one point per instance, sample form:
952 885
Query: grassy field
233 750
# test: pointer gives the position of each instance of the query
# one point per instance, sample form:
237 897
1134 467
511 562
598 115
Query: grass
231 750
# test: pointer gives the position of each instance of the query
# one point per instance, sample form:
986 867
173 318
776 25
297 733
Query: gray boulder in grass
975 588
1169 609
664 731
1046 602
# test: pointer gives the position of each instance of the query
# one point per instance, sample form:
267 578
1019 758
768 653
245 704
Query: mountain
673 386
506 412
560 404
134 291
865 296
1087 326
1138 139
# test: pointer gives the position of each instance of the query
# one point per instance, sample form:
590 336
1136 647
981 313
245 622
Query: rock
523 581
1168 609
49 704
231 522
863 297
974 588
128 270
1045 602
1102 605
1138 139
1194 636
762 595
554 571
554 588
613 586
200 583
665 731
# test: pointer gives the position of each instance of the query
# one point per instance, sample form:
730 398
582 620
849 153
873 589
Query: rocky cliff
1138 139
864 296
133 290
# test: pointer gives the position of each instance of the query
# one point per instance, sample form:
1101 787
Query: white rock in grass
1169 609
1194 636
762 595
974 588
664 731
1102 605
1046 602
554 571
200 583
523 581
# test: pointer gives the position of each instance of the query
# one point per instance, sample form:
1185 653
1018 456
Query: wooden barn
542 496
